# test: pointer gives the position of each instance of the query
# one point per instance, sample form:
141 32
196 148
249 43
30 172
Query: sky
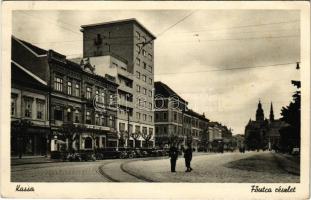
195 53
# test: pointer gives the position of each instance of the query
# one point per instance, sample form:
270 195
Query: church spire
259 113
271 113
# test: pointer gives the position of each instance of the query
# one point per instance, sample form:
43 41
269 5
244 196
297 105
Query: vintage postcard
155 100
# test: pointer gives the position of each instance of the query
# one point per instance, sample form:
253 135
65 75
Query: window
137 128
144 91
150 131
77 115
88 92
144 130
104 120
40 109
13 105
114 65
103 97
175 116
28 107
150 93
121 127
69 88
164 116
97 96
137 61
150 105
69 115
112 122
58 115
138 88
149 68
137 35
145 65
156 116
77 89
144 78
58 84
143 39
150 81
145 104
150 56
138 74
144 117
138 115
88 118
97 119
137 48
150 118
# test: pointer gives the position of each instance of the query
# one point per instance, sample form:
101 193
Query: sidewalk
289 163
32 160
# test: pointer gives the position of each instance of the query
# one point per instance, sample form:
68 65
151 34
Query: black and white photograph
158 96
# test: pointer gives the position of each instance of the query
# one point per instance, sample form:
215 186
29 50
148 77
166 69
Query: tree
135 135
290 135
147 136
253 140
71 132
122 136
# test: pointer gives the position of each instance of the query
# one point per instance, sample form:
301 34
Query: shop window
88 143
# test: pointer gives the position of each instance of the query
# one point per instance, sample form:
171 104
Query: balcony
125 88
125 103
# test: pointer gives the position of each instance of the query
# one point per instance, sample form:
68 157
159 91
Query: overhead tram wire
228 69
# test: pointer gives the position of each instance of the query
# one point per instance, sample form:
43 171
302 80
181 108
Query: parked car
296 151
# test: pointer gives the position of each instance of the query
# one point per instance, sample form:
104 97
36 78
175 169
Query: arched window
88 143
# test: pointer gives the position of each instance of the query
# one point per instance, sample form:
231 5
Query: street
228 167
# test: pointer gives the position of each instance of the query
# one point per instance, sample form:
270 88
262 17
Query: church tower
271 113
259 113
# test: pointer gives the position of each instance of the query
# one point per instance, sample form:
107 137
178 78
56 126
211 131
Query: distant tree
290 135
253 140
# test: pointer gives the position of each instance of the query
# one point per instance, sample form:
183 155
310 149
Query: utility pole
128 127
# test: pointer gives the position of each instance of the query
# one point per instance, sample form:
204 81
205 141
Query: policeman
173 154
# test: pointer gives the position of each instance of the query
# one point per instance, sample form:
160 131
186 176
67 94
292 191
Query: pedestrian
173 154
188 158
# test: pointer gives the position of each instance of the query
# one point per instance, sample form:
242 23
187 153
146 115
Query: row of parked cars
113 153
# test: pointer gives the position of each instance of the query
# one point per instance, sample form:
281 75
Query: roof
195 114
166 91
32 47
124 21
23 77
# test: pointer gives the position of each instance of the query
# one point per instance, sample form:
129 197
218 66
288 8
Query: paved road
227 167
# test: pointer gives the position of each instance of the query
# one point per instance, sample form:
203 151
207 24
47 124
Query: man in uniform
173 154
188 157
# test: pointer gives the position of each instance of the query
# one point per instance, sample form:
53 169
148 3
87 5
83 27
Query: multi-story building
169 114
29 112
81 102
125 50
173 119
82 98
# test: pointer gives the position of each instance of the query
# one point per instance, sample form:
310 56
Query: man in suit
188 157
173 154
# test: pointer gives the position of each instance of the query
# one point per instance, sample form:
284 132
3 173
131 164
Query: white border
152 190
